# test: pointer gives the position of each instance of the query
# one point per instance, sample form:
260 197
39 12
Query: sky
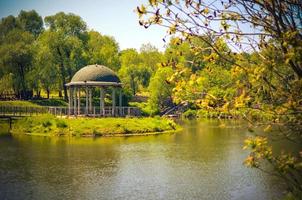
110 17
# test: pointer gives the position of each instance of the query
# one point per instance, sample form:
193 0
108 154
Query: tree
129 72
68 24
67 38
16 39
16 58
7 24
160 89
150 56
150 60
103 50
30 21
45 73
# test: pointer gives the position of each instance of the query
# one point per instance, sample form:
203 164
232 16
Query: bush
50 102
190 114
61 124
47 123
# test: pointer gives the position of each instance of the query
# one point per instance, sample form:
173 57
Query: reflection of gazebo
89 78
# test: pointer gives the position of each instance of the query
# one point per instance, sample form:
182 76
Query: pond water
204 161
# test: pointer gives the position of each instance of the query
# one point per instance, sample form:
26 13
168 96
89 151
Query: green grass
18 103
48 125
35 103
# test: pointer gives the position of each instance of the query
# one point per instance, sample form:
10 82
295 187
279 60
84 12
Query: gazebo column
90 99
86 94
120 101
113 101
70 101
102 106
79 101
75 101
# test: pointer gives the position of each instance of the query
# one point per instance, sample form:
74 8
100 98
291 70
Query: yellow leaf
206 11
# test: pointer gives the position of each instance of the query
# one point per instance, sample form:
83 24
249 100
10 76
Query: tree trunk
48 92
38 93
63 76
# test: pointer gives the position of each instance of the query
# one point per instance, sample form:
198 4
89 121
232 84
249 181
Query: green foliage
61 124
160 89
50 102
7 24
6 84
190 114
129 72
31 21
16 58
103 50
46 123
137 68
67 24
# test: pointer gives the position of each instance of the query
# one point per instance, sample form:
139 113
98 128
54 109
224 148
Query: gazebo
88 79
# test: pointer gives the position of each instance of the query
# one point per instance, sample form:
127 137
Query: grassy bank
18 103
34 103
48 125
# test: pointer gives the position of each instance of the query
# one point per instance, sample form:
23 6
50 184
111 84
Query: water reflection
202 162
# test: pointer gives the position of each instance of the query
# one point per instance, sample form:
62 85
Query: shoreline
51 126
100 136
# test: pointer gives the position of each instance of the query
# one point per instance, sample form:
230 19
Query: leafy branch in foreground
262 63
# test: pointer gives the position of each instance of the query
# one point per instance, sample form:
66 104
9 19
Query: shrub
190 114
47 123
61 124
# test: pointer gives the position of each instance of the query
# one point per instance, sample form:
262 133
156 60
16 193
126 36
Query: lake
204 161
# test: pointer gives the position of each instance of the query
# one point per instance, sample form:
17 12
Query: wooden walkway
18 111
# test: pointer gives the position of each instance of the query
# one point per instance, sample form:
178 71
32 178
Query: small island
49 125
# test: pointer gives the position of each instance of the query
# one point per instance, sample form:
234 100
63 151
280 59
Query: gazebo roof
95 75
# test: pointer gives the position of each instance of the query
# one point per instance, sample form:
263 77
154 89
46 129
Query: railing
22 110
65 111
105 112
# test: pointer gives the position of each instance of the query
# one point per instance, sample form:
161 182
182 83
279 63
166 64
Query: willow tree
272 31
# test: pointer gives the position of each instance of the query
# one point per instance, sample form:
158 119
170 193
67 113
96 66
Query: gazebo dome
97 73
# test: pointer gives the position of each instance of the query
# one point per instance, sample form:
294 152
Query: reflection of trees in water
210 156
62 168
204 161
15 173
